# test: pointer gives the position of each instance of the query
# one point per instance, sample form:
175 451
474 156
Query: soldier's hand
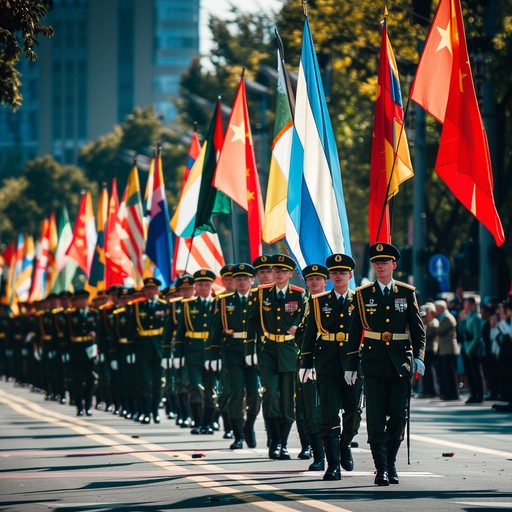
114 365
165 363
292 330
305 374
214 365
350 378
251 359
65 357
207 364
176 362
101 358
418 366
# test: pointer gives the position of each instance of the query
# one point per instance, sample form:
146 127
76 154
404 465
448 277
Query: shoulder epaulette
318 295
270 285
118 310
71 310
224 295
40 313
192 299
297 288
138 300
405 285
254 290
55 311
162 301
108 305
175 299
359 288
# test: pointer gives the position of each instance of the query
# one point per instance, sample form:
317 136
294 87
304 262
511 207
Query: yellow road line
84 428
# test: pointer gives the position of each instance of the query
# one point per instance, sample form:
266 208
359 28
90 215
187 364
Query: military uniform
278 358
82 326
392 334
104 390
191 339
4 341
149 321
242 382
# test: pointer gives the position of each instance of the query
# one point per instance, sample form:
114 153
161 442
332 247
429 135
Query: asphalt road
50 460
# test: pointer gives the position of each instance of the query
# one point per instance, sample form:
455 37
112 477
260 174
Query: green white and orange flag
65 267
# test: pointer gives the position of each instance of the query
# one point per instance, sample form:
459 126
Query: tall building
106 57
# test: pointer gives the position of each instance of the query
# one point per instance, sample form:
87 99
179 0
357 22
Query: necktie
341 300
243 301
280 295
386 294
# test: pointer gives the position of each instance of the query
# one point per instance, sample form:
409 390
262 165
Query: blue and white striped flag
318 224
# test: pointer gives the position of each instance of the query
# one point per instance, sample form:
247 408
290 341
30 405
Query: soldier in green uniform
61 322
185 289
149 317
191 338
82 351
231 327
387 320
324 348
307 403
278 311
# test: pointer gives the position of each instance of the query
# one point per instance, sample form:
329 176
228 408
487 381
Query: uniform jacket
385 357
82 328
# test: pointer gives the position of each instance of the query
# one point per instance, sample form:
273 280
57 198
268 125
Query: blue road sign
439 266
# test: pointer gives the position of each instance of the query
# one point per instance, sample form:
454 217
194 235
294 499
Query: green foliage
19 16
43 186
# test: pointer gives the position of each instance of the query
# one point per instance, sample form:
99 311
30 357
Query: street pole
488 275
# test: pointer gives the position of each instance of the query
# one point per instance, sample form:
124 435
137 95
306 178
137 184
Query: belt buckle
386 336
340 336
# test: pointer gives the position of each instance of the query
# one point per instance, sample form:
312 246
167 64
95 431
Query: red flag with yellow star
444 87
236 174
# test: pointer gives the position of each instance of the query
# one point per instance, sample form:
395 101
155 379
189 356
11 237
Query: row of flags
304 205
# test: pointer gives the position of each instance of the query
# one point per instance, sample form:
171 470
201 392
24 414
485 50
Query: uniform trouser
127 385
223 388
307 405
244 391
150 379
84 379
335 394
104 391
51 374
202 385
278 394
386 408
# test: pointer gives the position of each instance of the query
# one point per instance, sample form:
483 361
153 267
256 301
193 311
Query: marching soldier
61 322
191 338
231 326
307 405
325 348
82 351
4 342
278 311
387 320
149 317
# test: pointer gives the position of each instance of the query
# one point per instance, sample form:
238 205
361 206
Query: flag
25 267
237 175
131 224
97 276
118 265
14 272
318 225
52 248
199 200
65 267
159 242
274 223
38 288
443 86
390 162
83 243
9 259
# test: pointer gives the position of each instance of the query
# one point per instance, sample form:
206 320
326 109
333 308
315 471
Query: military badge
290 307
401 304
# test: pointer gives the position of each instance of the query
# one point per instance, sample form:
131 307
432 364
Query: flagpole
289 90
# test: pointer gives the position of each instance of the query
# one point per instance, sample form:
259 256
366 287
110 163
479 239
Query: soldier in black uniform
149 317
82 351
61 331
387 320
191 338
4 341
231 327
325 348
278 311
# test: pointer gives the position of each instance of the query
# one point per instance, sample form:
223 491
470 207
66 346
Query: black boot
209 413
186 413
380 460
332 453
392 451
155 407
228 427
249 434
284 429
318 453
346 460
238 443
146 408
305 452
197 416
274 450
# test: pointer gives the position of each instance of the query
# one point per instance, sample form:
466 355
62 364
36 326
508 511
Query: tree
19 16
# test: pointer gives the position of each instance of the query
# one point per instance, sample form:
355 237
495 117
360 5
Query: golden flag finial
305 7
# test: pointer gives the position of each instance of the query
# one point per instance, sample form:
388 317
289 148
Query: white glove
207 365
176 362
29 337
165 363
65 358
305 374
52 354
114 365
251 359
130 358
101 358
216 365
350 378
418 366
